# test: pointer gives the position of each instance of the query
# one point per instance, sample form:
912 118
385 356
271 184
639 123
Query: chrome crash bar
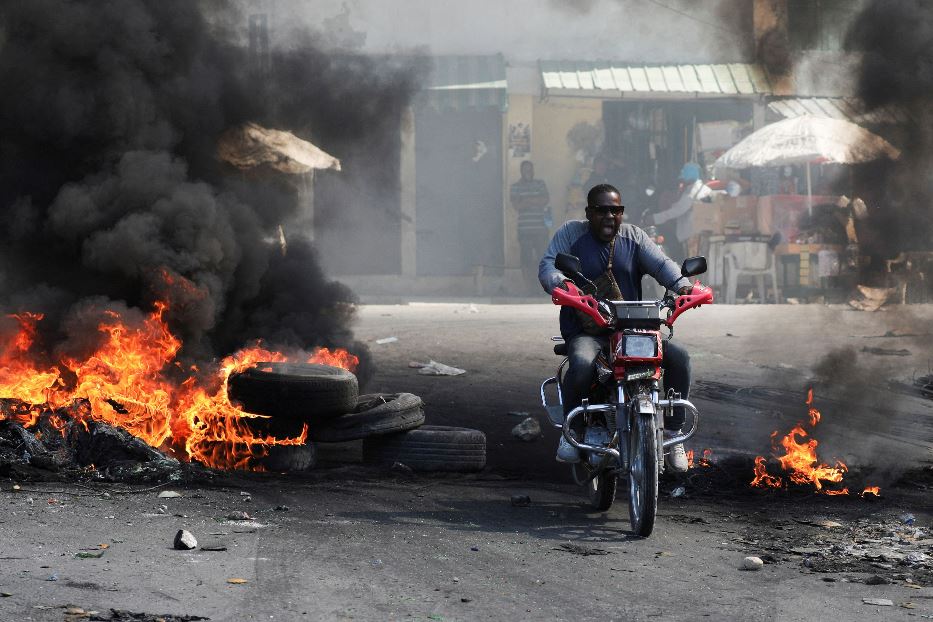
680 438
584 408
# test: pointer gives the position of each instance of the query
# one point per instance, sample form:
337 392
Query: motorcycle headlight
641 346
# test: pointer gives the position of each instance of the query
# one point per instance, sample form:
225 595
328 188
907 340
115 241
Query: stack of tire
327 399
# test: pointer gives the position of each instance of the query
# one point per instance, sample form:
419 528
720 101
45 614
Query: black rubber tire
375 414
643 476
290 458
294 390
429 448
601 490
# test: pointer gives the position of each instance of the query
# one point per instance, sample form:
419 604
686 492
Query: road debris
237 581
886 351
386 340
528 430
579 549
185 540
433 368
120 615
521 501
169 494
877 580
880 602
238 515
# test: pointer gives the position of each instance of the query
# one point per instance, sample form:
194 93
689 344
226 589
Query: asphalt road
366 544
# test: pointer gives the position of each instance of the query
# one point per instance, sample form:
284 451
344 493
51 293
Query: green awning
465 82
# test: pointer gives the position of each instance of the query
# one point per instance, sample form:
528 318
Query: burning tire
282 458
295 390
430 448
375 414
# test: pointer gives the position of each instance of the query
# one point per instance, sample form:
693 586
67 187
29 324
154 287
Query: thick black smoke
111 186
896 70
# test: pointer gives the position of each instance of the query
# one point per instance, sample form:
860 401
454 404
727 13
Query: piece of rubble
680 491
238 515
521 501
185 540
528 430
433 368
752 563
880 602
169 494
281 508
876 580
386 340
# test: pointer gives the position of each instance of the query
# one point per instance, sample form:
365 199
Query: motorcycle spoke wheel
643 477
600 490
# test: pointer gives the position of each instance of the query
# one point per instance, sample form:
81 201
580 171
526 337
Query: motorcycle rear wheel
643 476
601 490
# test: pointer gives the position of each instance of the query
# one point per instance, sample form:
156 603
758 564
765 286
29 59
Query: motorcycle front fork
642 403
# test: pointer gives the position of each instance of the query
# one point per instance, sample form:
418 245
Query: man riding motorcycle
615 257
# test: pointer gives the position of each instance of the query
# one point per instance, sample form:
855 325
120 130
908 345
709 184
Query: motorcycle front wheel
643 476
600 490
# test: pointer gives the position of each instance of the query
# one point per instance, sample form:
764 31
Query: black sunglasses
615 209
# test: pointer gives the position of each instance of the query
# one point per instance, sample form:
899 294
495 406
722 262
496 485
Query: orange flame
800 460
872 490
703 462
133 380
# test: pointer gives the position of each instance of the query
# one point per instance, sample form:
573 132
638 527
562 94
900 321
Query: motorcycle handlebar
574 297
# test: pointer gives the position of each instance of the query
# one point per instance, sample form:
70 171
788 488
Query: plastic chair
750 259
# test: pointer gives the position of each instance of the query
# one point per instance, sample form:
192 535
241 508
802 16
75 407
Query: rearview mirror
693 266
569 264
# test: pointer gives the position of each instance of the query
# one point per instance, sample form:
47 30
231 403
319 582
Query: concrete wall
554 157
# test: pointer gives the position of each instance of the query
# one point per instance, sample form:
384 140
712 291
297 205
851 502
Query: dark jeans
533 243
581 370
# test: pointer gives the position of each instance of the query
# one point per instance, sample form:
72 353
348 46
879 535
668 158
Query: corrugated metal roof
612 79
849 109
464 82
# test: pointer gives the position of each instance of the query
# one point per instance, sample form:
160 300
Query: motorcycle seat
560 349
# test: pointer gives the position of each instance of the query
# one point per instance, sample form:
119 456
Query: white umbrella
806 139
251 145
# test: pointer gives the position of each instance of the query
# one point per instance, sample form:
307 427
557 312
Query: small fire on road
800 463
134 380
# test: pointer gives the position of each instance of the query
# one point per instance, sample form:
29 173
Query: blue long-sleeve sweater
635 256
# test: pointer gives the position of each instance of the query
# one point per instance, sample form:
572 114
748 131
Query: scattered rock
528 430
169 494
185 540
880 602
876 580
213 547
5 594
52 577
680 491
474 548
247 499
521 501
281 508
162 509
401 467
238 515
466 600
752 563
106 495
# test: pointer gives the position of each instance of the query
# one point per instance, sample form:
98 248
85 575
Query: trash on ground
386 340
886 351
578 549
521 501
433 368
237 581
528 430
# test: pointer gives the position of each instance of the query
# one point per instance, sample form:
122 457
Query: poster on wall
520 140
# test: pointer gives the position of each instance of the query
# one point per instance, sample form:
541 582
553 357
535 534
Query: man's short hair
597 190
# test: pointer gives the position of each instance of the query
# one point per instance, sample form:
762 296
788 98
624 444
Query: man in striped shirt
530 199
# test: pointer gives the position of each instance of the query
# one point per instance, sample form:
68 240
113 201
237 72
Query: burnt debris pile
58 444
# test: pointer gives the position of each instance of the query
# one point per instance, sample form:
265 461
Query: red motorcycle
623 418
